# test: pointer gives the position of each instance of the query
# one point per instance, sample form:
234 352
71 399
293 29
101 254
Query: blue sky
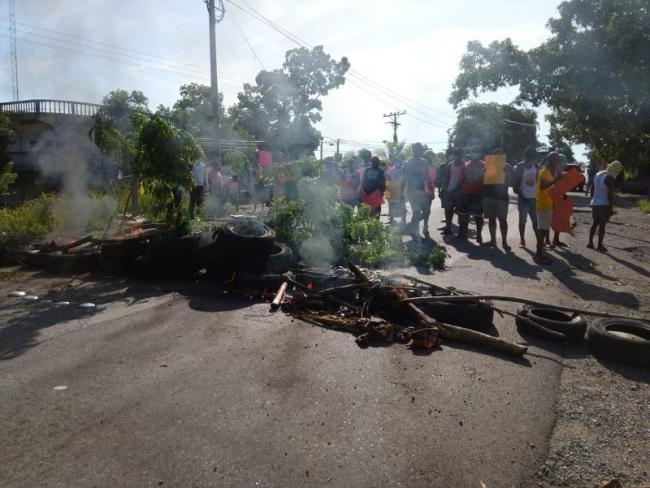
412 47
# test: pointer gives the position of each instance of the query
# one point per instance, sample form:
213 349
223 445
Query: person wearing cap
545 181
602 202
524 180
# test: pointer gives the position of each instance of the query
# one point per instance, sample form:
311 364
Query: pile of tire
168 256
247 250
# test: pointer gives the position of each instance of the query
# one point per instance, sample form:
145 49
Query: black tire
623 340
34 259
571 325
248 236
174 248
280 259
127 249
61 263
259 282
473 314
116 266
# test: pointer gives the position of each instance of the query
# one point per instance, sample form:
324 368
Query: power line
352 73
241 31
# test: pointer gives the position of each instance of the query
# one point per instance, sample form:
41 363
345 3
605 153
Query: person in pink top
429 187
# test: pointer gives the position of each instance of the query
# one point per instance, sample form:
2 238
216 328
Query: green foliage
7 136
7 177
644 205
164 161
305 167
434 259
592 72
319 219
26 223
485 124
282 105
238 161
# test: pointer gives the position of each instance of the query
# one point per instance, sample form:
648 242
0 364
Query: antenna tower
12 49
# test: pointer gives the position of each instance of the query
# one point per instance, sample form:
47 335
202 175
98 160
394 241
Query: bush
22 225
644 205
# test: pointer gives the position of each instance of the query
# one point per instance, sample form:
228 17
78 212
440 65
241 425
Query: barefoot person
450 187
495 207
471 194
602 202
545 181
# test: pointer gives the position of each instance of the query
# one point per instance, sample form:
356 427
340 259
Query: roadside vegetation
644 205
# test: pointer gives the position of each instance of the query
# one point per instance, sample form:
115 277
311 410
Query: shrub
644 205
26 223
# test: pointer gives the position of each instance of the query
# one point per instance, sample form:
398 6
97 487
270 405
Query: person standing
592 169
199 174
396 184
524 181
215 184
495 207
602 202
373 186
545 181
450 180
471 194
350 185
429 188
416 174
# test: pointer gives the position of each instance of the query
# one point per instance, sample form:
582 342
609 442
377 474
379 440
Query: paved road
188 388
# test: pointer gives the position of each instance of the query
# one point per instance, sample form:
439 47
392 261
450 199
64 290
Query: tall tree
282 105
495 126
592 72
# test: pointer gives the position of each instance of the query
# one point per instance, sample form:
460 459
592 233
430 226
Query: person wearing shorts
545 181
602 202
471 194
450 188
524 181
495 208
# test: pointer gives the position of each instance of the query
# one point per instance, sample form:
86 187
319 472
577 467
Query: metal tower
12 48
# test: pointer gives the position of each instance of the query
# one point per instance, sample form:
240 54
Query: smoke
65 157
317 252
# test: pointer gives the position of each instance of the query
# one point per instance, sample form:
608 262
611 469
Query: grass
644 205
22 225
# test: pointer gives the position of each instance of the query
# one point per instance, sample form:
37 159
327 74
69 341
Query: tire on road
248 243
571 325
280 260
260 282
623 340
473 314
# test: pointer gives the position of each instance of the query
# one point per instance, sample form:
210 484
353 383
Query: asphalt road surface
178 385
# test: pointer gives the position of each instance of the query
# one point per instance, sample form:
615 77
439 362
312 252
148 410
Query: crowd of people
540 183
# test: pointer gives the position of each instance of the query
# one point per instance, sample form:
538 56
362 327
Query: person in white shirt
523 183
602 202
199 173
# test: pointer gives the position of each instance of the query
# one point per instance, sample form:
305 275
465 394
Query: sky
411 48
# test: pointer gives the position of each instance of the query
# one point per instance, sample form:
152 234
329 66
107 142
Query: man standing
429 188
495 207
450 187
524 181
199 173
545 181
471 194
602 202
592 169
416 174
350 185
373 186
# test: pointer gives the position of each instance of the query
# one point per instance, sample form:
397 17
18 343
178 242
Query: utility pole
394 122
321 149
216 12
12 49
338 154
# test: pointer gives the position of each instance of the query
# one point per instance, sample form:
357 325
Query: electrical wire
241 31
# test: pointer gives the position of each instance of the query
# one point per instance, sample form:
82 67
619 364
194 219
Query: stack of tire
622 340
169 256
249 252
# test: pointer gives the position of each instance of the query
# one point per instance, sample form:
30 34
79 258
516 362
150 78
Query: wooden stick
279 296
502 298
358 273
309 291
472 337
551 334
335 289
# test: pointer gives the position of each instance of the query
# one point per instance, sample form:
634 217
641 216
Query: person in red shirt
471 194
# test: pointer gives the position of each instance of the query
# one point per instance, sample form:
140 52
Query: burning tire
81 262
280 260
473 314
623 340
572 326
247 243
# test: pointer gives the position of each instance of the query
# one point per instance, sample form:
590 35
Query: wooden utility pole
216 11
394 122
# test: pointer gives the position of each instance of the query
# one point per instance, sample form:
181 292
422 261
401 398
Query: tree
194 112
391 150
7 137
282 105
495 126
592 72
